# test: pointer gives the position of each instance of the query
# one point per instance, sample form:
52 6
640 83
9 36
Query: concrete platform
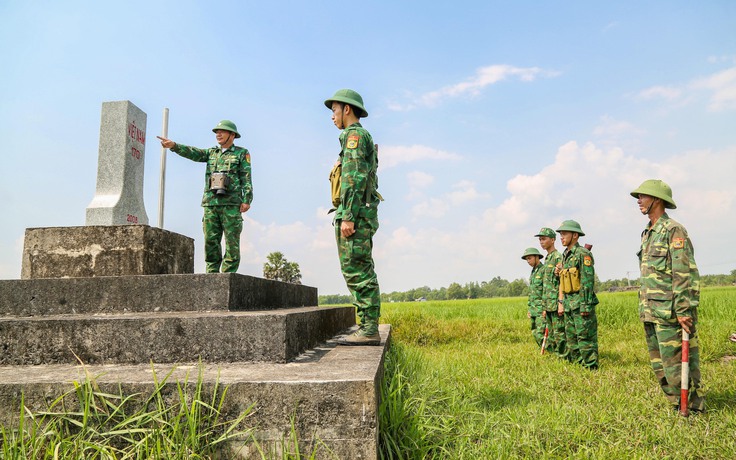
105 250
150 293
169 337
332 392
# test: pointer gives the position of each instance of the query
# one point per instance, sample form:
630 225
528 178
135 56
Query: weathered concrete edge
332 370
150 293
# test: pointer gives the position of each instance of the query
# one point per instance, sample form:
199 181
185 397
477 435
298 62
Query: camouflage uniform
222 212
536 304
359 204
670 287
581 332
550 293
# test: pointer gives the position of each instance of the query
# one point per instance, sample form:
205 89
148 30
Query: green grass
464 380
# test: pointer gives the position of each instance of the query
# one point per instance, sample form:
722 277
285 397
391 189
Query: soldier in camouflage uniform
669 293
356 216
578 299
555 321
536 307
228 192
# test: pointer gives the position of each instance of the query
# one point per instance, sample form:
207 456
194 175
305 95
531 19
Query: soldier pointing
228 192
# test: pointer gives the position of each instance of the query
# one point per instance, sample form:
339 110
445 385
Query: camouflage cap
571 226
548 232
531 252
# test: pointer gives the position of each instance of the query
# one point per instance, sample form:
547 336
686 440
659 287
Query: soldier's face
568 238
532 260
338 113
222 136
546 242
645 203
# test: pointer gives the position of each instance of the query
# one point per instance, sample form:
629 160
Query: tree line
498 287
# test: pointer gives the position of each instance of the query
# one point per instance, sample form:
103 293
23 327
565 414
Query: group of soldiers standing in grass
562 300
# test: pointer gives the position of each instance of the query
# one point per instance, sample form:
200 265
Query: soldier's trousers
581 333
556 342
356 263
219 220
664 343
537 324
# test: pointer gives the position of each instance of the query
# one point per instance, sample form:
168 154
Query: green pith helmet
570 226
548 232
531 252
227 125
348 96
657 189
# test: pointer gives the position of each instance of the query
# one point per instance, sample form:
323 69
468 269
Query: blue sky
493 120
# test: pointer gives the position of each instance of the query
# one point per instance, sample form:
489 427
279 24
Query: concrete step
332 392
169 337
149 293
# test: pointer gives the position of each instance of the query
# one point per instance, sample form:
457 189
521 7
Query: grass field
464 380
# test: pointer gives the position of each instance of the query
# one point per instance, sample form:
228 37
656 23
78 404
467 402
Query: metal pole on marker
162 182
685 375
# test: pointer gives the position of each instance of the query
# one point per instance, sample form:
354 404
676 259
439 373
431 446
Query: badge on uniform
587 261
247 157
678 243
353 142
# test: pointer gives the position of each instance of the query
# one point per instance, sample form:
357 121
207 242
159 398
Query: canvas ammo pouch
335 183
570 280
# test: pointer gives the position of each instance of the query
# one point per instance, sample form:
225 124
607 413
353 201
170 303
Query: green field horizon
465 380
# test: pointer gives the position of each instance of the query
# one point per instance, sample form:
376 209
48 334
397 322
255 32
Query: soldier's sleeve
245 177
685 276
192 153
587 283
355 169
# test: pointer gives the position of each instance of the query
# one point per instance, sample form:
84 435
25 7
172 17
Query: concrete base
63 252
275 336
331 392
162 293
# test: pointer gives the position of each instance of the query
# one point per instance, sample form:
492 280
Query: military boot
365 335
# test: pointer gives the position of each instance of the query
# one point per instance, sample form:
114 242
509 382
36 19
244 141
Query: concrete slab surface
332 392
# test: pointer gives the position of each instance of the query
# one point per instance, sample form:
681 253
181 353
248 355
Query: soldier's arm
355 169
685 277
245 178
587 283
192 153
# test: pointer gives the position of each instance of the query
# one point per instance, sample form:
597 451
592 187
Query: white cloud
669 93
722 86
418 181
718 89
462 192
485 76
390 156
585 183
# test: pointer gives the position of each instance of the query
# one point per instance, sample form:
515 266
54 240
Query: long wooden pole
685 375
162 182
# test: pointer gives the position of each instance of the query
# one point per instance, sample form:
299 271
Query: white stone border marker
119 195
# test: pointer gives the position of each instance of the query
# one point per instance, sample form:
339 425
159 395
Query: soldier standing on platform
555 321
228 192
577 296
669 294
355 183
536 307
